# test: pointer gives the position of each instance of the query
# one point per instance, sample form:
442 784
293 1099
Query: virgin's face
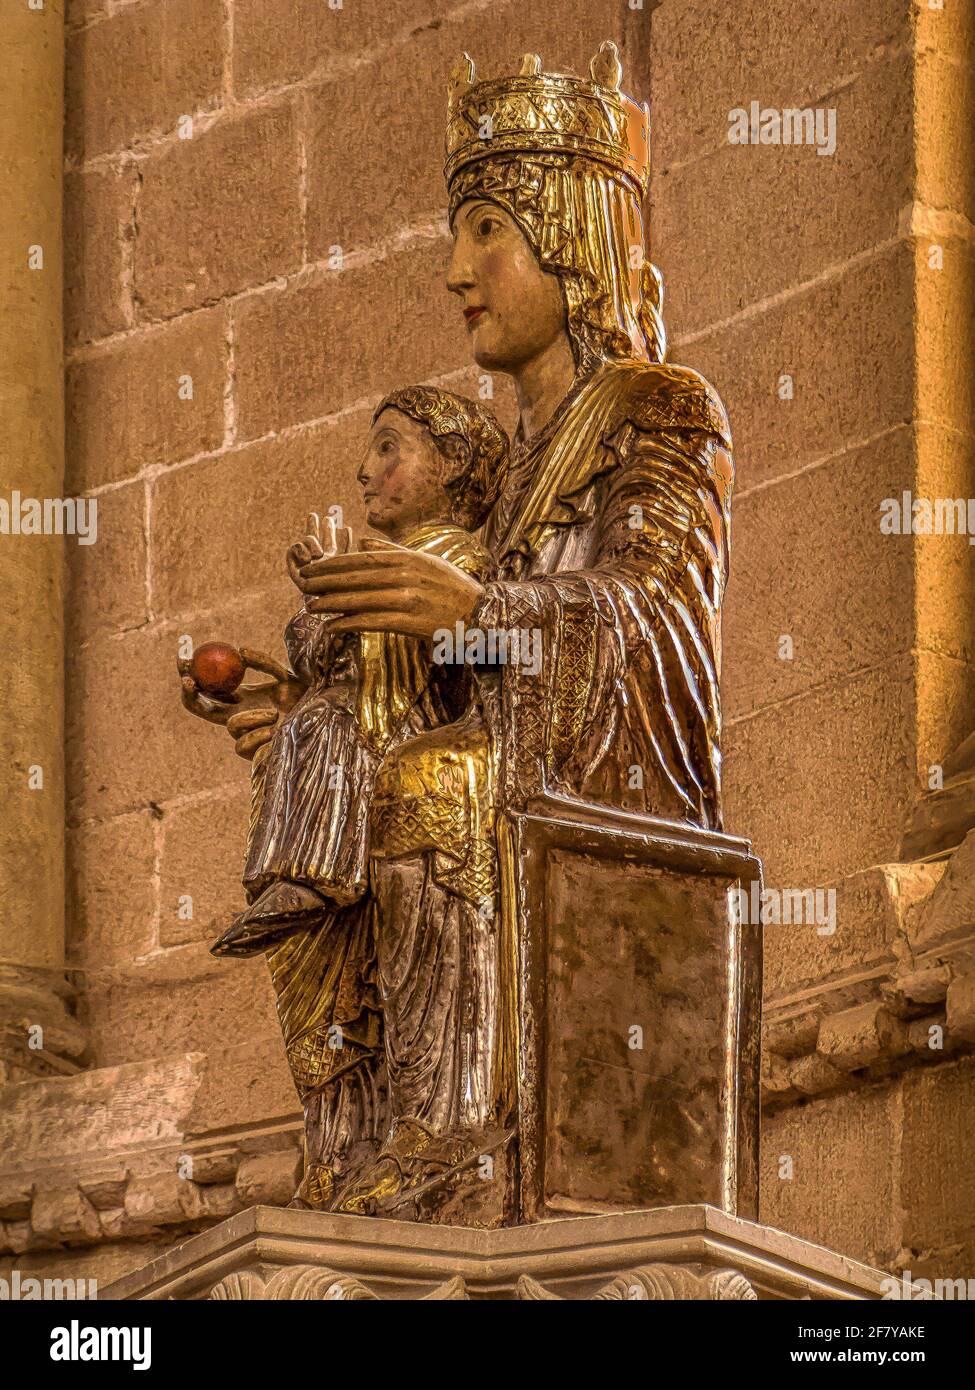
401 476
514 309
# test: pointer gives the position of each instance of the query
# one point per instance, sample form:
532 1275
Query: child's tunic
312 790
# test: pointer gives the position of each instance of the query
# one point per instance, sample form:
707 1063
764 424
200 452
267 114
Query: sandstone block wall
814 298
254 252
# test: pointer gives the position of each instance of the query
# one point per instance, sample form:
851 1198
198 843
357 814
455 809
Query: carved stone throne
639 1012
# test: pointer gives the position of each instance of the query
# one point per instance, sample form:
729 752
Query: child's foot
283 908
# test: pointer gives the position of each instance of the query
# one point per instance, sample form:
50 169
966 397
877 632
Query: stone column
34 1025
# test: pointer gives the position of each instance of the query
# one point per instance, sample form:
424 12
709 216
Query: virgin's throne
639 1011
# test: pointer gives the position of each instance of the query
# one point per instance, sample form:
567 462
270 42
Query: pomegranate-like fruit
217 669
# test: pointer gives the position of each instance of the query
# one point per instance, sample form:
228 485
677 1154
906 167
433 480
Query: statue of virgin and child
376 867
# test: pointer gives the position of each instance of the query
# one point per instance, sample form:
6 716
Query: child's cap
478 484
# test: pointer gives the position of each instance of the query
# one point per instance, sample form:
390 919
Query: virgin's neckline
522 447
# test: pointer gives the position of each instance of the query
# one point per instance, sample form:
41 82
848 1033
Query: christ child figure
433 467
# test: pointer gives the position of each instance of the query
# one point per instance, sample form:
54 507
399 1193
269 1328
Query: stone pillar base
39 1036
690 1252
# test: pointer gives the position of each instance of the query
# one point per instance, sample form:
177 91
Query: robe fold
311 797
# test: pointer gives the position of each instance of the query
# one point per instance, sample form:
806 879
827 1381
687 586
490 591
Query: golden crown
548 113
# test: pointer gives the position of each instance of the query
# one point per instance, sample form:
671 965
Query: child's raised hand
310 547
318 544
338 539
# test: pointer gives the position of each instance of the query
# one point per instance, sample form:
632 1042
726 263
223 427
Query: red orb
217 669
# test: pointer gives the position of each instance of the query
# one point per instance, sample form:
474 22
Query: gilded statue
381 883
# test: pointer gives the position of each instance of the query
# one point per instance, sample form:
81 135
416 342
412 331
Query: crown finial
556 113
606 68
460 79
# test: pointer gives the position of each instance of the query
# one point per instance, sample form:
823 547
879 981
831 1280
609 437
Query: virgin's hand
251 729
388 588
251 715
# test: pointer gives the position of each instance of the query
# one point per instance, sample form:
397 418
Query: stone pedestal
690 1252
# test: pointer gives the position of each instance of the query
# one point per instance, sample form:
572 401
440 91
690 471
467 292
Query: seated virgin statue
608 540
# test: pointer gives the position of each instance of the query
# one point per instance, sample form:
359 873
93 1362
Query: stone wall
826 295
254 252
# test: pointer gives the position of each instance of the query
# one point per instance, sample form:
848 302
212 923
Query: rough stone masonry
251 210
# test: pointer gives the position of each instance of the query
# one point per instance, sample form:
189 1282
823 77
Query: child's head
431 456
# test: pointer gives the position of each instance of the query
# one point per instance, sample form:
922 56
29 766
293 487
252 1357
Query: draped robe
311 791
612 540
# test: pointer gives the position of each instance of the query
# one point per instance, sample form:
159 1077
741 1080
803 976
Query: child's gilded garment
312 788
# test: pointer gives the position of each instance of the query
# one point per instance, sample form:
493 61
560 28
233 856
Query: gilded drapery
613 543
